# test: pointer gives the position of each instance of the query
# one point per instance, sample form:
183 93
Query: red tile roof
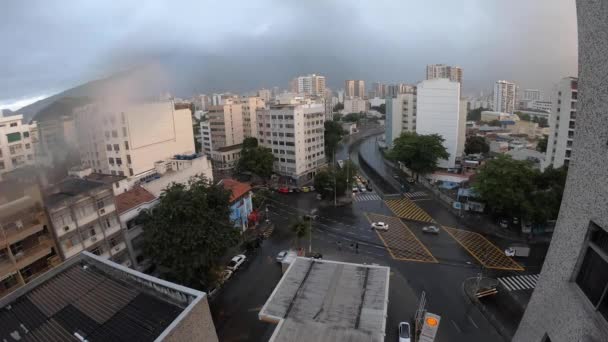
238 189
132 199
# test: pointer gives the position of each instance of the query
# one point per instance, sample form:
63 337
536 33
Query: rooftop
322 300
88 298
132 198
70 188
104 178
229 148
237 188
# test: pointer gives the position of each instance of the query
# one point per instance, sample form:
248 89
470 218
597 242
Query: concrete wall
558 307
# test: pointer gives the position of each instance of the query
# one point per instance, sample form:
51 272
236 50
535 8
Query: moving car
355 189
380 226
281 256
283 190
503 223
517 251
368 187
236 262
404 332
411 180
430 229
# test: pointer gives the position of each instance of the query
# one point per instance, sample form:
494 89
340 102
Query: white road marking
473 322
456 326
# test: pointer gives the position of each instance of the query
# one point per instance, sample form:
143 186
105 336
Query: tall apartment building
400 116
83 216
570 300
531 95
453 73
562 122
379 89
223 132
265 94
17 143
58 140
400 88
440 111
312 84
126 139
504 97
251 105
354 88
294 133
27 248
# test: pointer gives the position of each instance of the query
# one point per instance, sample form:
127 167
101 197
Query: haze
205 46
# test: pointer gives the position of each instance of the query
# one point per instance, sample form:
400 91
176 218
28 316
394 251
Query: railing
30 224
28 256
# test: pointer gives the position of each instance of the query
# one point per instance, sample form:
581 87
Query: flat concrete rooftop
322 300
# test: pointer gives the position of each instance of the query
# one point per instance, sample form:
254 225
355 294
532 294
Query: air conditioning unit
116 248
102 211
19 224
93 238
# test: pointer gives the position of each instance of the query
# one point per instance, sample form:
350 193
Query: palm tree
300 229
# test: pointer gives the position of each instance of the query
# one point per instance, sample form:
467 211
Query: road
435 264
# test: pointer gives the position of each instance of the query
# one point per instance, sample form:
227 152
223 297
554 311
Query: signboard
430 325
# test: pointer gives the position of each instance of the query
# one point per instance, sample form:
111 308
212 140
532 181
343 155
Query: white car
226 274
236 262
380 226
281 256
510 252
355 189
404 332
430 229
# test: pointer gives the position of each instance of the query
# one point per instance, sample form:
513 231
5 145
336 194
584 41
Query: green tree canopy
187 232
300 229
352 117
332 136
420 153
495 123
381 108
475 114
338 107
255 159
541 146
523 116
337 117
344 177
475 144
262 197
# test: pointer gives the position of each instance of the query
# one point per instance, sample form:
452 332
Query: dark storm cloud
48 46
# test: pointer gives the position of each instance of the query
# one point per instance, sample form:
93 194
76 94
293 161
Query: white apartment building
251 105
453 73
504 97
354 88
17 143
223 131
562 122
312 84
531 95
83 217
354 105
440 111
400 116
126 139
265 94
294 133
541 105
379 89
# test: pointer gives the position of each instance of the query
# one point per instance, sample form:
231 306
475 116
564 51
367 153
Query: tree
338 107
337 116
523 116
352 117
300 229
340 180
261 197
381 108
475 144
255 159
542 122
188 231
332 136
324 183
420 153
495 123
541 146
475 114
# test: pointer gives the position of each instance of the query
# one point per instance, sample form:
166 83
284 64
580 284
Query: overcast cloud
49 46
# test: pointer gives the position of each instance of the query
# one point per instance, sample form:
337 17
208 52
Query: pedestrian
357 247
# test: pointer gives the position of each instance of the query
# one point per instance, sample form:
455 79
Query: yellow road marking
407 209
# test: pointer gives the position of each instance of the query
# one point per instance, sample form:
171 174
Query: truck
517 251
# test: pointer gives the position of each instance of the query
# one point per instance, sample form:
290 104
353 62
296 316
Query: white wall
439 113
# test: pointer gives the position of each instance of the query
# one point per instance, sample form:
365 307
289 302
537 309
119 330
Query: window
13 124
12 137
114 134
92 232
128 159
96 250
2 165
113 242
111 161
126 145
592 278
116 147
108 147
108 223
26 134
118 161
130 172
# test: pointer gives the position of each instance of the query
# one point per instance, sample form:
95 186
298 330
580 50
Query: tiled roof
132 199
238 189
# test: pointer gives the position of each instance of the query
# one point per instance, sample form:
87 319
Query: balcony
18 230
119 248
113 230
28 256
6 267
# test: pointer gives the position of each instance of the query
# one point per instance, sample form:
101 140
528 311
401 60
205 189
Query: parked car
226 274
504 223
517 251
355 189
283 190
404 332
411 180
515 221
368 187
281 256
305 189
310 217
380 226
430 229
236 262
315 255
312 188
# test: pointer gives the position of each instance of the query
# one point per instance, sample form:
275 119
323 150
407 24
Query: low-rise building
355 105
488 116
536 158
88 298
241 205
349 127
499 146
17 143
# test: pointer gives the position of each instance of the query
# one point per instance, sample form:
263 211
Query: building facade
379 90
312 84
354 88
541 105
295 134
126 139
18 142
265 94
453 73
58 140
250 106
400 116
440 111
562 122
241 203
504 97
355 105
570 300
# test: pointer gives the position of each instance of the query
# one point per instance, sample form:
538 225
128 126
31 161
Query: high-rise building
531 95
223 132
58 140
312 84
440 111
562 122
17 143
504 97
27 248
453 73
400 116
126 139
570 300
251 105
294 133
354 88
379 90
265 94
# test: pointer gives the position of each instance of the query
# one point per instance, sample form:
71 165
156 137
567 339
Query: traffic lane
443 247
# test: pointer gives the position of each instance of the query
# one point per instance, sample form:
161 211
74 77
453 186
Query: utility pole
335 188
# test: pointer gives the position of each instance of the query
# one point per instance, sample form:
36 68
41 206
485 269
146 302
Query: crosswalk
416 195
362 197
406 209
521 282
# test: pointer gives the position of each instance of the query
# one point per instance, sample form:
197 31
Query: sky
48 46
